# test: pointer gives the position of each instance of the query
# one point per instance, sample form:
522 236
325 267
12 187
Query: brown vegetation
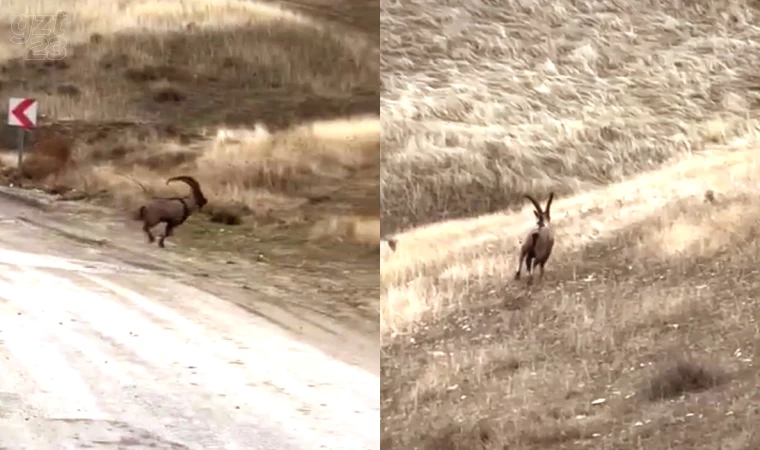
643 334
49 157
681 377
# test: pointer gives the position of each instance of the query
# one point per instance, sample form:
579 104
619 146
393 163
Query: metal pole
21 133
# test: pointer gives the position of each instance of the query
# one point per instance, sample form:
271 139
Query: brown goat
538 243
173 211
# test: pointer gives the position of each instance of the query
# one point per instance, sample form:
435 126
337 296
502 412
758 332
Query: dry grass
644 332
542 95
263 175
202 48
361 229
151 90
653 275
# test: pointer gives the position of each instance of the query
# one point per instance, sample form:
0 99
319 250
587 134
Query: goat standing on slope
173 211
538 243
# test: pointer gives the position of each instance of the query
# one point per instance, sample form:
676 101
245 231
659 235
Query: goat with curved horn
537 246
173 211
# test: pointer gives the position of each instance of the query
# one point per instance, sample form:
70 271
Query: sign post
22 113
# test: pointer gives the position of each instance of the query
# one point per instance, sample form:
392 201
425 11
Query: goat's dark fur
538 243
173 211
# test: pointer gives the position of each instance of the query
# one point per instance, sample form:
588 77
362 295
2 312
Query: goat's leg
146 229
542 264
168 232
519 266
531 263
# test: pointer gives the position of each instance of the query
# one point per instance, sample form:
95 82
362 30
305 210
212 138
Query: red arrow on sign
20 110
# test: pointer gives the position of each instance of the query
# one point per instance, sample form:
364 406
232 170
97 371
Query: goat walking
538 243
173 211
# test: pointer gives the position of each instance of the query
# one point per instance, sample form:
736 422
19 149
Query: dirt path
106 348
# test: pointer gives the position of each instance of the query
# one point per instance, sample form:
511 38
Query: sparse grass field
273 107
644 333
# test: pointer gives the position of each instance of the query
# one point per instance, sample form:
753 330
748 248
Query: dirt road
101 353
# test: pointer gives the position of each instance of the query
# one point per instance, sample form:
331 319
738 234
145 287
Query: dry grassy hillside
273 106
483 102
644 332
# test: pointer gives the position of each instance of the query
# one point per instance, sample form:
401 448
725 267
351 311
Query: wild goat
173 211
538 243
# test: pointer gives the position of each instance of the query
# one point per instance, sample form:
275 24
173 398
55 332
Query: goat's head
200 199
543 216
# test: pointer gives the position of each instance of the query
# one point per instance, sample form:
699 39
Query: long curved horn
535 203
549 203
194 186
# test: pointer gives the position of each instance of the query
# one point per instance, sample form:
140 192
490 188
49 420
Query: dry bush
167 92
680 377
69 90
496 100
479 436
50 155
227 214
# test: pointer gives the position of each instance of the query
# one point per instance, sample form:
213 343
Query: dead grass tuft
165 92
480 436
226 214
69 90
681 377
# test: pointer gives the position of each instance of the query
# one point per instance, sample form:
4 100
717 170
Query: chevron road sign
22 113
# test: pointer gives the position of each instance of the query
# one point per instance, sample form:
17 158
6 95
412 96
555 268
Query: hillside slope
273 106
643 333
539 95
648 280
